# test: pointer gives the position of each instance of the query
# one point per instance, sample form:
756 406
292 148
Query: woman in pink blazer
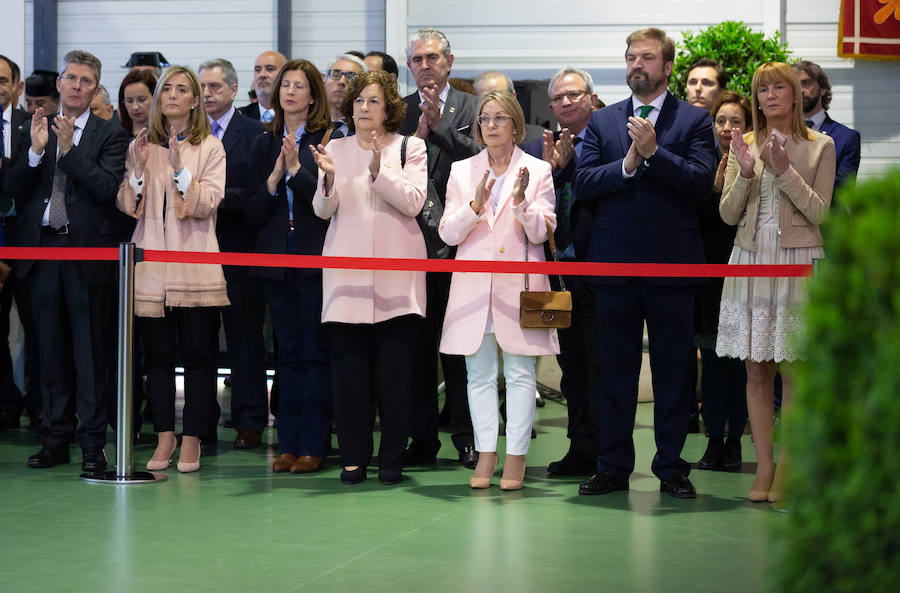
374 316
175 181
498 205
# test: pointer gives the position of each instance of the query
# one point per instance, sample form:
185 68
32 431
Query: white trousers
519 372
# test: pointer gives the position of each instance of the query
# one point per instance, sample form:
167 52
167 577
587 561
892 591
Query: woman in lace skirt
778 186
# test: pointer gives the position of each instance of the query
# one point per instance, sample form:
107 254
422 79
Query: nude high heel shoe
484 469
513 472
159 465
189 466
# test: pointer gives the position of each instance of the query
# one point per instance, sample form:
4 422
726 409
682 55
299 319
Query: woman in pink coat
373 315
175 180
498 205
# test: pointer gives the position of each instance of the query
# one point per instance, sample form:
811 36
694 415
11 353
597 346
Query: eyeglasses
337 74
84 80
499 120
572 96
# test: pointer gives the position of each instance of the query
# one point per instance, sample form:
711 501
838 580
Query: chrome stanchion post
124 472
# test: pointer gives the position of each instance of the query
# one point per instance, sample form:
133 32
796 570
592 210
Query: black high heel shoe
390 477
354 476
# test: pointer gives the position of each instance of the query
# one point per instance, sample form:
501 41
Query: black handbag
429 218
545 309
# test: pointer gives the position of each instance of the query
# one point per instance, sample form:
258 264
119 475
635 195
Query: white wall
525 38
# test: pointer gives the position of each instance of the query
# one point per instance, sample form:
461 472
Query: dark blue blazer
650 217
846 148
270 213
233 230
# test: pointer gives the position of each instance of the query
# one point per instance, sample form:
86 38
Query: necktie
2 143
267 116
216 128
57 216
645 110
809 123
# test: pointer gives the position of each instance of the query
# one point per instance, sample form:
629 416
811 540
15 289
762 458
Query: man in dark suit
494 80
645 162
570 93
11 400
265 69
244 318
64 182
443 117
816 91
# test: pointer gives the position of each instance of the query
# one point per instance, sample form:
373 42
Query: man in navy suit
265 69
244 318
816 99
645 163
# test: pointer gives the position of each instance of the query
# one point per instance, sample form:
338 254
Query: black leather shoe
572 465
8 420
354 476
678 486
49 456
731 456
603 483
712 459
93 459
468 457
389 477
417 454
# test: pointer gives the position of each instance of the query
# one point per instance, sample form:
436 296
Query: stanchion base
110 477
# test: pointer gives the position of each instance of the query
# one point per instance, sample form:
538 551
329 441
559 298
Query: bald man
494 80
265 69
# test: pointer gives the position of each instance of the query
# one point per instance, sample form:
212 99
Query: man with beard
645 162
816 99
265 69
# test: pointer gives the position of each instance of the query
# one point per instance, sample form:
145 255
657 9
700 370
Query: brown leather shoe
247 439
306 464
283 463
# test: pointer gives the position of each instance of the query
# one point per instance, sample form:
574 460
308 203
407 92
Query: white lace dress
762 318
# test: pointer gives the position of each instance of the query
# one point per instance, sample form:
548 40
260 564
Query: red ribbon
643 270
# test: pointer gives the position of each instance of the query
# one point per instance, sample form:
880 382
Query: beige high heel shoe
481 477
513 472
189 466
157 465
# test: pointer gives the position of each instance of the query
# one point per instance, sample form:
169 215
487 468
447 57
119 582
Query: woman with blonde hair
500 206
175 179
778 185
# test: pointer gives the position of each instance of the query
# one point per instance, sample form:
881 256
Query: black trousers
243 321
424 423
669 314
579 361
359 351
724 384
11 399
193 333
70 316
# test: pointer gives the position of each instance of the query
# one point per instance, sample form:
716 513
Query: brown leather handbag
545 309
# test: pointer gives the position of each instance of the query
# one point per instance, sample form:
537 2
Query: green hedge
842 532
736 46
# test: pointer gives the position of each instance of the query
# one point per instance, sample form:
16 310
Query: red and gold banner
869 29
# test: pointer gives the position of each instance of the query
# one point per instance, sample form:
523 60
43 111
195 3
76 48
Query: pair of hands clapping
484 187
558 153
773 154
325 161
288 161
63 127
141 148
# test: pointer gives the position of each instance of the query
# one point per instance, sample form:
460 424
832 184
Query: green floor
234 526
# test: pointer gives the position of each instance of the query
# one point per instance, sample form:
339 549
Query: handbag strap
552 240
327 136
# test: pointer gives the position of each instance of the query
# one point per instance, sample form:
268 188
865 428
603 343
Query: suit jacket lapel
232 132
625 112
666 117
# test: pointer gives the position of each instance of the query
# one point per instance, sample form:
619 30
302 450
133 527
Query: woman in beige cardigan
175 179
778 186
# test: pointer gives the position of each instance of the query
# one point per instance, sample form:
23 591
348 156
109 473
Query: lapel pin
452 109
